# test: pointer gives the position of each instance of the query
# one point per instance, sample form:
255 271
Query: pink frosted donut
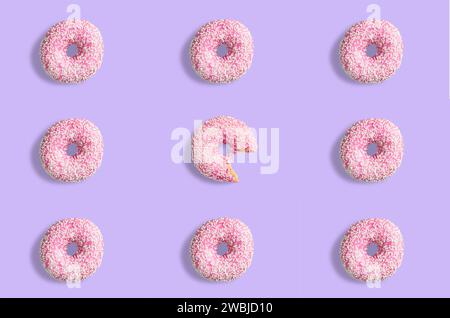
55 157
205 146
86 259
355 144
388 257
213 67
72 69
389 51
229 265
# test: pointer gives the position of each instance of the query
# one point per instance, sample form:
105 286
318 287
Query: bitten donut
54 151
205 146
205 59
381 34
388 257
88 58
355 145
205 249
87 258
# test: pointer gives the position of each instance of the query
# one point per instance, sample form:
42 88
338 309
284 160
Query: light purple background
148 207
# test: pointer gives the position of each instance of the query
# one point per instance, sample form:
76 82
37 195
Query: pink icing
358 263
232 264
214 132
353 151
54 146
363 68
59 37
62 266
217 69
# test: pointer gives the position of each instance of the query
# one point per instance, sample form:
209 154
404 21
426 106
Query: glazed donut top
214 132
238 257
53 151
72 69
353 151
214 68
389 240
353 51
89 240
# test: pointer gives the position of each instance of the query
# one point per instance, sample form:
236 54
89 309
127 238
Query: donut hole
72 50
223 248
72 149
223 50
72 248
372 149
372 249
372 50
